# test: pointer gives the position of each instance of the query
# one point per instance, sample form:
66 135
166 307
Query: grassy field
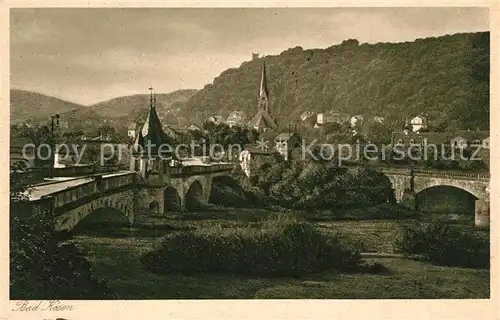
114 257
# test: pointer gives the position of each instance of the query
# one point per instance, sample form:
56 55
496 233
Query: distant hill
26 105
127 109
446 77
122 110
136 105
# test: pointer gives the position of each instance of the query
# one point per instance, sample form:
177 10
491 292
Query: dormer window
400 141
412 141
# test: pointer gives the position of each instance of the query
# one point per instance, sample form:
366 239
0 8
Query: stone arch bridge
407 184
72 200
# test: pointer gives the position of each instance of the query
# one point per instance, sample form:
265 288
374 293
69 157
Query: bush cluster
44 266
280 247
443 244
303 185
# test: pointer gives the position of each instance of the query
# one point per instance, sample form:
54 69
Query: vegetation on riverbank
444 244
400 279
281 246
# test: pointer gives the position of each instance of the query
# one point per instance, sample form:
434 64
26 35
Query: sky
91 55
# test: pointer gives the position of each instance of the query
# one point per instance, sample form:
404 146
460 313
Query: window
424 141
412 141
476 142
400 141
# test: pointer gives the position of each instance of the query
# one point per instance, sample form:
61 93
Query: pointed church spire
150 97
152 130
263 93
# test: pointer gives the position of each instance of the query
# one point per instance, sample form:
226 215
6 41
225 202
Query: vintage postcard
285 160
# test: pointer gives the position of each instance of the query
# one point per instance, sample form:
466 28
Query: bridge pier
409 199
482 214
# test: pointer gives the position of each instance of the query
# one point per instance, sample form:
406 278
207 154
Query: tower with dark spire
263 92
147 154
262 120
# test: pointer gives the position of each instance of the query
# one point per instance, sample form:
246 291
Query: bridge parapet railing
200 169
397 171
63 197
457 174
72 194
115 182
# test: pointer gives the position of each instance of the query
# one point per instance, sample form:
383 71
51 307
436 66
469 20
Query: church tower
147 156
262 121
263 92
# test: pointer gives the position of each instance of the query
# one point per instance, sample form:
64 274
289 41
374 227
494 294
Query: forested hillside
446 77
27 105
137 105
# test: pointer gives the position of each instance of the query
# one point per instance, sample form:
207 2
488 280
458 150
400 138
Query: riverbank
114 255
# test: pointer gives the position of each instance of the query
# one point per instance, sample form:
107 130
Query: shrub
43 266
443 244
282 246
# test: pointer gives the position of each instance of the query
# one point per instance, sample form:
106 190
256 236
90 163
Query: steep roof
151 133
262 120
285 136
263 84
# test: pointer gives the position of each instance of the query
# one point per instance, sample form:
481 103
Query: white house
236 118
356 120
418 122
131 131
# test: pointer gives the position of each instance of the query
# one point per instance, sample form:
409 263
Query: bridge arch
113 206
102 218
446 199
172 200
194 195
226 190
469 186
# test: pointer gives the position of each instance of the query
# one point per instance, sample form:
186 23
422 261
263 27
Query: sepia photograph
248 153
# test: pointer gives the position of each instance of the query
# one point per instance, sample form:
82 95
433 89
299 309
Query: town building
252 156
132 130
306 115
356 120
286 142
456 139
236 118
332 117
378 119
419 122
263 121
216 119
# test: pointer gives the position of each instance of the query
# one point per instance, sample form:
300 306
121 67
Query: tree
475 112
42 264
106 129
92 154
